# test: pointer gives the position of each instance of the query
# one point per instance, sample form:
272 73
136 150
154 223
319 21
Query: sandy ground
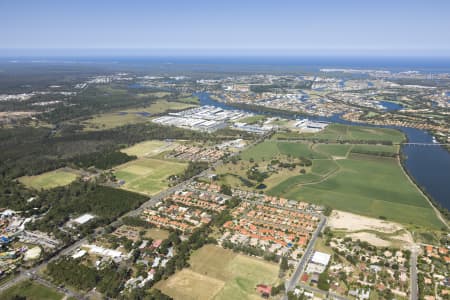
370 238
355 225
340 220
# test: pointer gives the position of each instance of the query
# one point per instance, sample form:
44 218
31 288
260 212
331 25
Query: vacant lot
147 176
216 273
50 179
30 291
149 148
156 234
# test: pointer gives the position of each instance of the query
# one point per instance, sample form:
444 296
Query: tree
324 281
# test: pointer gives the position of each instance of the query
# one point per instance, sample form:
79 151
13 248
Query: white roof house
321 258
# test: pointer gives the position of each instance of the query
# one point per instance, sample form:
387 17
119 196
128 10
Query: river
429 166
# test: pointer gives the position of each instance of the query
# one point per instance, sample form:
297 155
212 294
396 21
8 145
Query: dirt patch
370 238
340 220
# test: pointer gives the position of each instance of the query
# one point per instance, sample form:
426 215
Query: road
292 283
33 273
413 270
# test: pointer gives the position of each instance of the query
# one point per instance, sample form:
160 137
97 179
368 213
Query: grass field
364 184
252 119
49 180
376 149
149 148
369 186
217 273
147 176
355 133
157 234
269 149
133 116
333 149
31 291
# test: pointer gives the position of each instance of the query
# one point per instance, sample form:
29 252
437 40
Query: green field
376 149
149 148
368 186
147 176
31 291
49 180
217 273
252 119
133 116
270 149
333 149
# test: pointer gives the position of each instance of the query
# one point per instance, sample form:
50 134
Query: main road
292 282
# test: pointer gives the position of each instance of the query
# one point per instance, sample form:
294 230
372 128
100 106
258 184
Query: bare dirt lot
377 232
340 220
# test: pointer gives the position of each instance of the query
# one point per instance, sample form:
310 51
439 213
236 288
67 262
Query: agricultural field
147 176
149 148
133 116
30 291
217 273
49 180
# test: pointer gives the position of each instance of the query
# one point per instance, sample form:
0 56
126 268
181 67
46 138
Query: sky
397 27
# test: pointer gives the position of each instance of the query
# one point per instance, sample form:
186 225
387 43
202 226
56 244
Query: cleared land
50 179
149 148
147 176
31 291
377 232
133 116
217 273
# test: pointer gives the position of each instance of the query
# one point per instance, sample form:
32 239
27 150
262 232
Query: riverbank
441 212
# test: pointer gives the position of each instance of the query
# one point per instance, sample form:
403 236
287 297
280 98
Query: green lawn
217 273
31 291
49 180
148 176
